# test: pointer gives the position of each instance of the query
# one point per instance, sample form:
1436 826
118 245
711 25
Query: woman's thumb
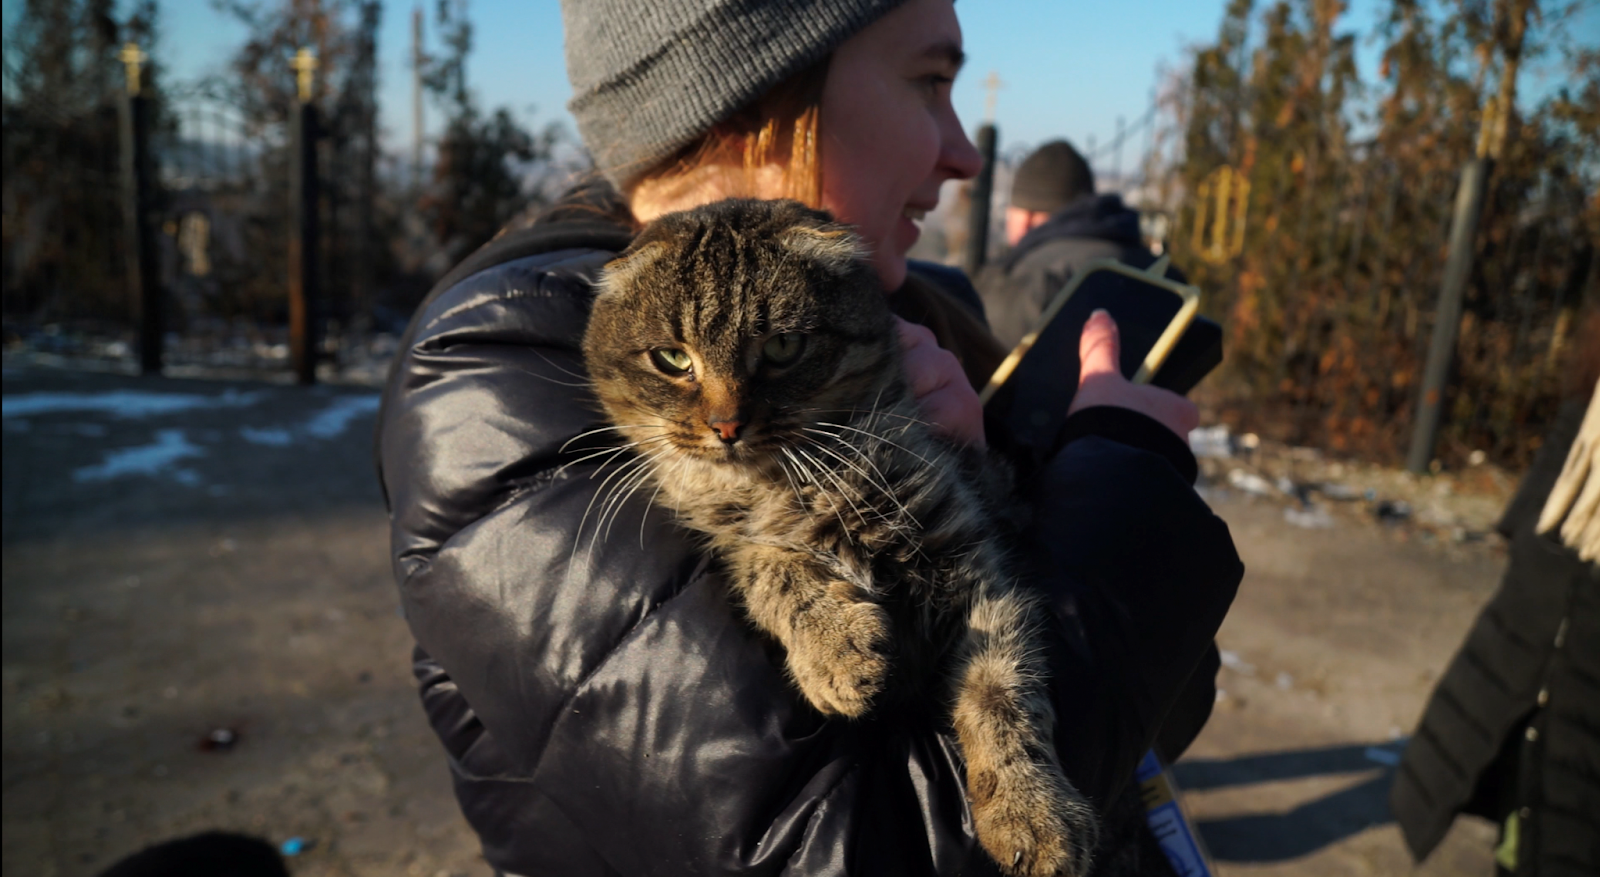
1099 348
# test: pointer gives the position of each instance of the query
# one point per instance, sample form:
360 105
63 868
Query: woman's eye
673 362
783 349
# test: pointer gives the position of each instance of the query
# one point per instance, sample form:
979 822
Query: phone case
1163 343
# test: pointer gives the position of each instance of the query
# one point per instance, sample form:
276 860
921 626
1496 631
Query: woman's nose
958 156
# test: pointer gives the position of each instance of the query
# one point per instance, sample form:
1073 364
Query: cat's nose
727 430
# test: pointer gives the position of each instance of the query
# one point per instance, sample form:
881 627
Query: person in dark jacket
1512 731
1055 225
604 707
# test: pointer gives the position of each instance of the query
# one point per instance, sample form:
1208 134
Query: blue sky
1070 68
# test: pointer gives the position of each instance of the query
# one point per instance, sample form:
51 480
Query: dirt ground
186 557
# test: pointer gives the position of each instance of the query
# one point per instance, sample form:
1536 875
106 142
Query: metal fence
166 230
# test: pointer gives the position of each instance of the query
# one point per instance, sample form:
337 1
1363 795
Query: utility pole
1116 162
366 183
138 193
983 187
305 201
418 61
1463 236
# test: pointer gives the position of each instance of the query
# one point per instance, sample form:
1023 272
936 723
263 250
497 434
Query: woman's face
890 136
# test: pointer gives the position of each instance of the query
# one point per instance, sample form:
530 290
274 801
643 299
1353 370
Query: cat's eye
784 348
672 361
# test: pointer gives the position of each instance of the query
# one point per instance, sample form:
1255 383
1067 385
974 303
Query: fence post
144 278
982 197
303 225
1447 316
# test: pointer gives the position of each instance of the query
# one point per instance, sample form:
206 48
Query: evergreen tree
1327 304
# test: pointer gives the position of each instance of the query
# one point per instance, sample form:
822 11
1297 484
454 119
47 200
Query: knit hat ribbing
650 76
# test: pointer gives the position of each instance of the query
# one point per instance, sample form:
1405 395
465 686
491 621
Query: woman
1512 731
606 710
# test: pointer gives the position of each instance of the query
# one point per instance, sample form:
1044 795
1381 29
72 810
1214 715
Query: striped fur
864 542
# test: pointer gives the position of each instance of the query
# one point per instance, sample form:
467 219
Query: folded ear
619 273
839 250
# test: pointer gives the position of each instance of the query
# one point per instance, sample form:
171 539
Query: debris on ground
1456 509
1233 662
1311 517
219 740
1251 483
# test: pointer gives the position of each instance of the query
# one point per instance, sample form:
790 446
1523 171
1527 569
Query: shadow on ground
1277 837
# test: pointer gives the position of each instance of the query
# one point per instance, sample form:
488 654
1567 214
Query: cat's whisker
577 537
612 497
844 490
875 482
800 501
583 382
800 469
613 451
645 518
810 477
617 428
875 437
560 368
866 413
638 480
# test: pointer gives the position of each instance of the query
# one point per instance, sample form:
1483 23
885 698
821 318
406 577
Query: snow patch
123 403
170 446
271 436
334 419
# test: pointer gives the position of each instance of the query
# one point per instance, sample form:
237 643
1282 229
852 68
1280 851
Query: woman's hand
1100 381
948 402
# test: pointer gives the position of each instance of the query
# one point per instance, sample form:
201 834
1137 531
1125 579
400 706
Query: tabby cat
746 352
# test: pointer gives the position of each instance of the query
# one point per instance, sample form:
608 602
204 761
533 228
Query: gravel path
183 558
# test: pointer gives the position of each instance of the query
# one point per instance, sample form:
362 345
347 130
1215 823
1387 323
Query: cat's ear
839 250
620 272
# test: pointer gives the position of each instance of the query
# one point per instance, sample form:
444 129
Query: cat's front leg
1027 815
837 638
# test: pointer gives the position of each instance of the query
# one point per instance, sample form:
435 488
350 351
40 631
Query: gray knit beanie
650 76
1050 178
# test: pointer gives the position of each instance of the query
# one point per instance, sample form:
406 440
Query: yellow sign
1225 193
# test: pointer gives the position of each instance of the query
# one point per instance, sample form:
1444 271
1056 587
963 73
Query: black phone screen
1033 400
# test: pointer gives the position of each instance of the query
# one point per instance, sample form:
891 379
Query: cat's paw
1032 822
840 661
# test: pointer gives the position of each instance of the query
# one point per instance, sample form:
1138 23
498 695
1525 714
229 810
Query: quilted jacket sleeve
604 707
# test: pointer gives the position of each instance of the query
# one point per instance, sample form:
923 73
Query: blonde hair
769 150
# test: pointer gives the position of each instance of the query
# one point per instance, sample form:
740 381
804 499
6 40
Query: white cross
992 85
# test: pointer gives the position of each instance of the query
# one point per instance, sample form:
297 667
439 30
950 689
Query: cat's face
726 331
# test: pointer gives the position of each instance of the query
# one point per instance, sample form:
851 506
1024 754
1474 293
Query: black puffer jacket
605 708
1514 724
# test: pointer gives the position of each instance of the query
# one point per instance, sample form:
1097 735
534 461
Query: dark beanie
1054 176
649 77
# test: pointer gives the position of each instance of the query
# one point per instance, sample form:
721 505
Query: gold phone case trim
1155 276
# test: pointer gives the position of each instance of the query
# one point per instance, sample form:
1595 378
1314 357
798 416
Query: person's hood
1103 217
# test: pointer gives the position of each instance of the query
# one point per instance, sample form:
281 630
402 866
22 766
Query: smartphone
1164 343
